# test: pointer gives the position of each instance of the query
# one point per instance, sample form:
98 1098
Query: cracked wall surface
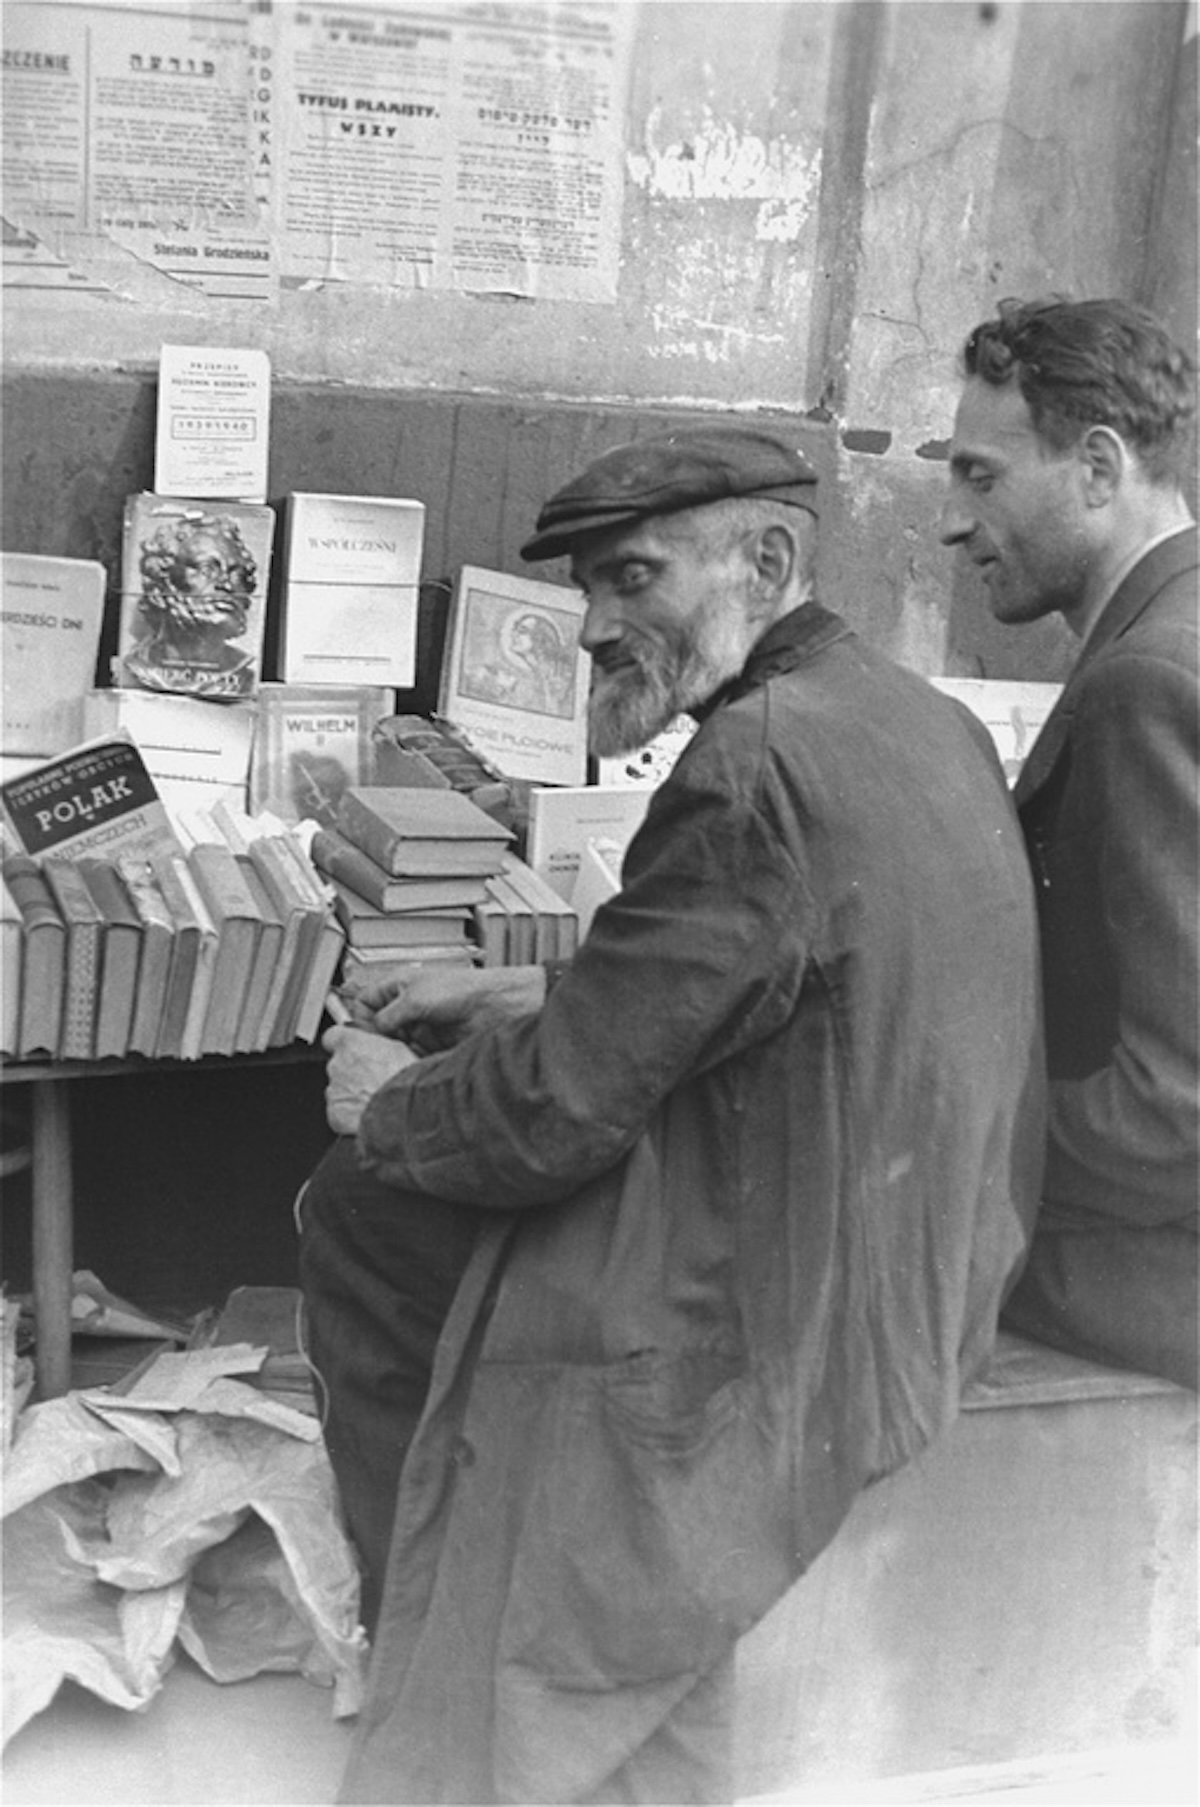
820 200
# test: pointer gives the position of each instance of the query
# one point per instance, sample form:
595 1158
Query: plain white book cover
1011 710
213 423
562 822
53 610
196 752
514 676
351 589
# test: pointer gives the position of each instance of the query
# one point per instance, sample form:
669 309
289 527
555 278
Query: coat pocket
655 1529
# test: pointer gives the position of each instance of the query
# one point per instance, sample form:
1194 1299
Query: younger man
1066 474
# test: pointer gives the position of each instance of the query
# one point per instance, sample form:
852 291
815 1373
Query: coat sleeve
701 953
1123 1140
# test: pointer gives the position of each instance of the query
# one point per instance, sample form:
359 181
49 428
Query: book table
52 1179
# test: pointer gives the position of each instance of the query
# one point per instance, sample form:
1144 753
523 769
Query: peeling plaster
719 163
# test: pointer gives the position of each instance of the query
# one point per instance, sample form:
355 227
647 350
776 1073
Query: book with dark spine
44 956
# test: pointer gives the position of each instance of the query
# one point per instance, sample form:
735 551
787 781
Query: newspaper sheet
129 166
473 147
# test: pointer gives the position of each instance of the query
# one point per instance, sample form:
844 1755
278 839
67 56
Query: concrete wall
820 199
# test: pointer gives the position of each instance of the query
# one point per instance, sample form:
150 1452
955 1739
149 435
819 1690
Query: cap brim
557 539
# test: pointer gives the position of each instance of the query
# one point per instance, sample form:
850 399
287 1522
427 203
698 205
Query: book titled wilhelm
51 611
515 678
311 743
194 578
348 603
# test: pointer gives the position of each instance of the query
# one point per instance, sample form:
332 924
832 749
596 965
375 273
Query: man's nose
957 522
597 624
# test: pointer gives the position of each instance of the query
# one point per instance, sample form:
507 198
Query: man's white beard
635 703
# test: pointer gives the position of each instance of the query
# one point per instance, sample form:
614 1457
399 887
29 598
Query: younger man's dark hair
1080 364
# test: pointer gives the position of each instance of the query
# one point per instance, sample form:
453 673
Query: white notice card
214 408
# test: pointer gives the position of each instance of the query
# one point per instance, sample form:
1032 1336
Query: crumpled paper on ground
134 1523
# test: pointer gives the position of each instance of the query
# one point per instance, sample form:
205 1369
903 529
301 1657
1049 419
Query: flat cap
668 472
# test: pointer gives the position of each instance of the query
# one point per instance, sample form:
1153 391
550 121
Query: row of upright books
131 930
223 943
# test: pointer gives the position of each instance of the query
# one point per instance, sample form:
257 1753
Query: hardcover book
10 973
158 948
348 609
50 620
84 923
562 822
190 987
253 1026
120 957
365 926
556 925
514 676
311 743
521 937
194 578
329 945
44 936
422 833
340 859
238 923
97 798
196 754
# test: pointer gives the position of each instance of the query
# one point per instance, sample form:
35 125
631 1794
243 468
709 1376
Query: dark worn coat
777 1135
1109 803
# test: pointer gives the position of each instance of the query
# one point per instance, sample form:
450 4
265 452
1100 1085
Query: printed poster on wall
133 149
471 147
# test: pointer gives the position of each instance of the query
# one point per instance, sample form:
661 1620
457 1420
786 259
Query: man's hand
360 1061
434 1010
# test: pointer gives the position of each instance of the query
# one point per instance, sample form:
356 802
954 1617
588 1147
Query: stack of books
408 865
150 934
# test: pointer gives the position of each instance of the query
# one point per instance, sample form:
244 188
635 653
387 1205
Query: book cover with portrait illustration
514 676
194 580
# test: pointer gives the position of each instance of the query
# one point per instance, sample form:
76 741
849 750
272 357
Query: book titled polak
515 678
194 578
97 798
348 607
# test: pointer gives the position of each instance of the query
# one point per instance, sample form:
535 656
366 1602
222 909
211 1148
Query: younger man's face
1016 507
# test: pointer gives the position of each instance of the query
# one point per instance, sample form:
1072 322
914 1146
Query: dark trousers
379 1269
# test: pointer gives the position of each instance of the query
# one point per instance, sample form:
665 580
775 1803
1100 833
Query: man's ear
776 555
1105 458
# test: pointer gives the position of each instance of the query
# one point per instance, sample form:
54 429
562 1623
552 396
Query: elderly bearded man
623 1298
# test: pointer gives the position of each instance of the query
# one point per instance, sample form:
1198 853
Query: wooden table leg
52 1236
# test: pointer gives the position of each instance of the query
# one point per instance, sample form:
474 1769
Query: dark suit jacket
1108 802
